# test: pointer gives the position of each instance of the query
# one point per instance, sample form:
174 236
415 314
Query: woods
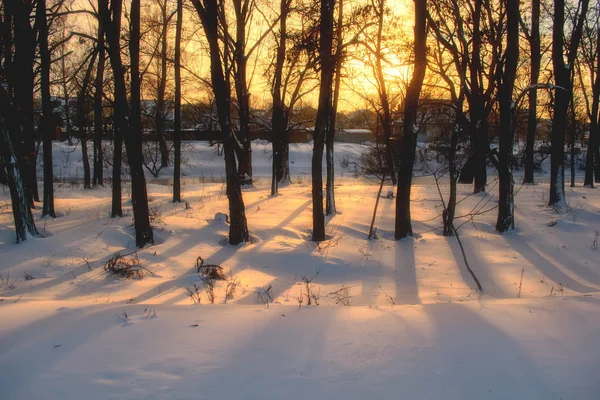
479 59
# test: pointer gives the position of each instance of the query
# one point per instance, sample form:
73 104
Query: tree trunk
371 227
98 178
534 42
162 85
563 79
573 134
238 228
506 215
279 134
323 116
330 208
403 226
23 80
450 210
47 121
128 123
81 122
479 126
593 144
24 223
386 118
117 207
242 92
177 122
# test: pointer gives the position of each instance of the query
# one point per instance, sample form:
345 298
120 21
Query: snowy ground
416 328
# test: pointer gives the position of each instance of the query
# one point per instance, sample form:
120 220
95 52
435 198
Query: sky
357 78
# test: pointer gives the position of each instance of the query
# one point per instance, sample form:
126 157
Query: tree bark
242 8
403 224
534 42
506 217
281 114
81 121
563 79
479 125
23 77
98 178
323 116
177 122
162 85
127 123
330 207
117 206
23 218
47 121
238 228
593 144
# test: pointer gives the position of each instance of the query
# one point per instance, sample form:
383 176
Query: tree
533 37
563 78
24 44
292 68
24 223
177 122
238 228
330 208
323 115
279 139
125 120
403 226
506 217
10 129
471 33
82 118
98 178
244 11
156 76
47 122
377 49
589 63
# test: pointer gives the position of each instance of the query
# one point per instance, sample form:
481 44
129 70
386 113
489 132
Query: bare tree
47 121
238 228
533 37
177 116
82 118
10 122
23 91
98 177
323 115
293 70
125 120
589 64
563 77
506 217
403 226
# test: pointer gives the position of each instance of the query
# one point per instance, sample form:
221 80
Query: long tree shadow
464 338
479 268
407 287
547 268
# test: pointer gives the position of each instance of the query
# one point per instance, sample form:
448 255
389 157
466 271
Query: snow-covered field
415 327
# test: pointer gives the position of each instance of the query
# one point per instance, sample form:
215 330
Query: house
354 135
434 120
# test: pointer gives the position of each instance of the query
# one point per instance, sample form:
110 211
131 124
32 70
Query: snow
416 328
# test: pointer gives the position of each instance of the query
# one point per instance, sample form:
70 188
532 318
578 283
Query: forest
419 160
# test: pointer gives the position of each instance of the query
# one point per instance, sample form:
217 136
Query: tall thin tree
177 116
533 37
409 129
47 122
238 227
563 77
323 115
